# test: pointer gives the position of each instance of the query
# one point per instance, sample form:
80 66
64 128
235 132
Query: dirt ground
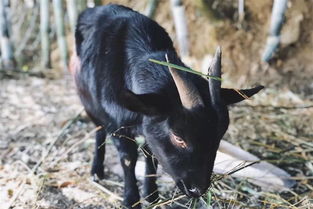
37 111
41 119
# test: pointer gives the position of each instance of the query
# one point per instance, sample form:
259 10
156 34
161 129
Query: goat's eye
179 142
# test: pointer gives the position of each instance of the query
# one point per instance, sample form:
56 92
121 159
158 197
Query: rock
291 30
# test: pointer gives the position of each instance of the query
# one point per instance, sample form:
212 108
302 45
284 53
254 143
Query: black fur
119 87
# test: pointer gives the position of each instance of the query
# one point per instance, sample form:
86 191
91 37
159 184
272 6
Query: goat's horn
215 70
189 95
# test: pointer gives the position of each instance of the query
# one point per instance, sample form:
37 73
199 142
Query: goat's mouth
189 190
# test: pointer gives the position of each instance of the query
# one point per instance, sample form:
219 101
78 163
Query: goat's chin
182 187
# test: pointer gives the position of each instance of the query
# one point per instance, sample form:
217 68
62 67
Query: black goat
181 115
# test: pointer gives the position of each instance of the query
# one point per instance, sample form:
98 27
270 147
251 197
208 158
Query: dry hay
276 126
36 111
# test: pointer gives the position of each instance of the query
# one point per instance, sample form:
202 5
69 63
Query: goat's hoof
152 198
97 172
95 178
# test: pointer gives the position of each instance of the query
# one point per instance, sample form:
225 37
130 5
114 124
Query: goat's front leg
150 188
128 156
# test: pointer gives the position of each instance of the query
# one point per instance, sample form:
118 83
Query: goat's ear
148 104
231 96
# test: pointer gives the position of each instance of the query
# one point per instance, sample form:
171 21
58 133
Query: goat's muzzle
190 191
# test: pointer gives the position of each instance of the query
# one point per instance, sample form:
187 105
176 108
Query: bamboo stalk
72 13
81 5
151 8
178 11
27 35
277 19
7 52
241 10
59 19
44 34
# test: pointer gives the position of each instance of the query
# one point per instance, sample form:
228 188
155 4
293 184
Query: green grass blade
209 198
189 70
194 203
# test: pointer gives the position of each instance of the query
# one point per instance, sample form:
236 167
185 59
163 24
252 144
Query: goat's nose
190 190
195 192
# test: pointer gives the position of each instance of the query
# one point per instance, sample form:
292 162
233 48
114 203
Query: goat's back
111 42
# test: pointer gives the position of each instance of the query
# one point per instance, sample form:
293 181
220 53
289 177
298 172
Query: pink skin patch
74 64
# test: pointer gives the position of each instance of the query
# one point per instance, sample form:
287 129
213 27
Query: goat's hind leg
97 170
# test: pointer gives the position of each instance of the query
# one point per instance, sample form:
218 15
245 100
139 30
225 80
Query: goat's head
185 140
